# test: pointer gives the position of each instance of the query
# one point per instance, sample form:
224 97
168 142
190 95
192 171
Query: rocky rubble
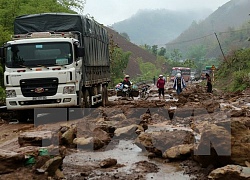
211 130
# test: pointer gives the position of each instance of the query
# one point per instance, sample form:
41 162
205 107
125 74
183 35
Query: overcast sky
108 12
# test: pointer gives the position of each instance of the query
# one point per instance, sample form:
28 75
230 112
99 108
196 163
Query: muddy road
190 136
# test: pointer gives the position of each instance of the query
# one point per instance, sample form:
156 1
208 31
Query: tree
13 8
73 4
146 47
190 63
197 52
125 35
148 70
118 63
162 51
154 49
175 55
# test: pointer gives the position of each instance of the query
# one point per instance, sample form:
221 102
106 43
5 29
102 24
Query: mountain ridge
157 26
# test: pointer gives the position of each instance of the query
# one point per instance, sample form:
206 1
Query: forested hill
158 26
230 23
136 52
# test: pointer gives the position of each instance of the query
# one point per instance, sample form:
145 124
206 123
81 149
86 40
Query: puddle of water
126 154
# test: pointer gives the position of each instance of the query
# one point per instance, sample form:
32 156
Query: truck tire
80 99
104 95
87 98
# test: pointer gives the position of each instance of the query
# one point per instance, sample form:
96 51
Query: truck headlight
10 93
69 90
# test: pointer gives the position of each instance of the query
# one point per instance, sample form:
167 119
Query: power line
180 42
189 40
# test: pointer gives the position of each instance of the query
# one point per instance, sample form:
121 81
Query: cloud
108 12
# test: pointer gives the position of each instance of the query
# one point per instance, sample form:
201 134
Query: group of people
179 84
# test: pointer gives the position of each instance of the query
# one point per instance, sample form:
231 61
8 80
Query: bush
2 95
240 81
233 74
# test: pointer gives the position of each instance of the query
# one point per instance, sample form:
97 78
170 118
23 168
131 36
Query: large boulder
240 140
230 172
214 147
35 138
225 143
159 142
128 131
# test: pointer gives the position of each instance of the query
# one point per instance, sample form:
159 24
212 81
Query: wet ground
131 161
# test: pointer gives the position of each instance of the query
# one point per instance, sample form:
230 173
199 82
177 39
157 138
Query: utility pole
220 46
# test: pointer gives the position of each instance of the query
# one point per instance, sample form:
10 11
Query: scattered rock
108 163
230 172
179 152
52 165
10 161
68 137
36 138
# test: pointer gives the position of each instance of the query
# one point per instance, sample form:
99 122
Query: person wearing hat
209 83
179 83
126 80
160 85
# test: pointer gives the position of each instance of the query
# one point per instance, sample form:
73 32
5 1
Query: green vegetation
234 73
118 64
169 59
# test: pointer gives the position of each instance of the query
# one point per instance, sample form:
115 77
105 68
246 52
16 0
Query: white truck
56 60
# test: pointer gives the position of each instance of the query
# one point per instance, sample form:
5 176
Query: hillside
158 26
137 52
229 22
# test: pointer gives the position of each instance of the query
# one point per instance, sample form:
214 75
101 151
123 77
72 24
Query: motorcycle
127 92
144 93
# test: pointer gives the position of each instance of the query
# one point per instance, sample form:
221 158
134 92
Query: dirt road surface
128 139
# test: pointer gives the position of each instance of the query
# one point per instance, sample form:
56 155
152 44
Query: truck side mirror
80 52
2 55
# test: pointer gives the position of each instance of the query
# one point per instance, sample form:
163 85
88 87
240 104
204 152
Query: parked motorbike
144 93
127 92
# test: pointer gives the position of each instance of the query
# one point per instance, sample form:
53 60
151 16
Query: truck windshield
39 54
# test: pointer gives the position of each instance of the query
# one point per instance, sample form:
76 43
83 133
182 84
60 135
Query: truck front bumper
59 100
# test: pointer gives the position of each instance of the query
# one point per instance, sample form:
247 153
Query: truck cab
41 70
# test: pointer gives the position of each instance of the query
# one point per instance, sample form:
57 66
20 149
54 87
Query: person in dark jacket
179 83
160 85
209 83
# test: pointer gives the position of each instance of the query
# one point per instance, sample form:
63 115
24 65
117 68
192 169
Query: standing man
179 83
160 85
209 83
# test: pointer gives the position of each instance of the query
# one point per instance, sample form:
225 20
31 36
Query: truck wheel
104 95
87 98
